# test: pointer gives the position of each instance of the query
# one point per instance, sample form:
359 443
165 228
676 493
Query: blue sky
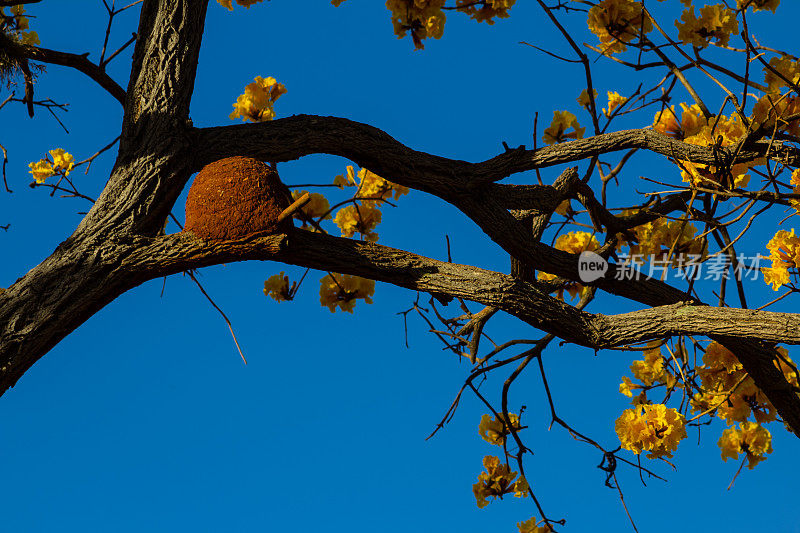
146 418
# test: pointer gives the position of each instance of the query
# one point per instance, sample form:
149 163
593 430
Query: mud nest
234 198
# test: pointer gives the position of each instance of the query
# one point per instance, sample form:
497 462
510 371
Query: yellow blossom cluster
655 429
715 22
617 23
363 215
494 431
256 104
423 18
342 291
614 101
529 526
795 182
278 288
62 163
692 121
487 11
16 25
497 481
722 131
557 131
370 186
356 218
759 5
693 128
775 112
316 207
657 237
749 438
727 387
573 242
780 70
649 372
245 3
784 251
426 18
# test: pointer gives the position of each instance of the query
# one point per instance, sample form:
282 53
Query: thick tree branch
293 137
163 256
155 156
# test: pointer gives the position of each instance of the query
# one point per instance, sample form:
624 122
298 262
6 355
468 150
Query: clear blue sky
145 418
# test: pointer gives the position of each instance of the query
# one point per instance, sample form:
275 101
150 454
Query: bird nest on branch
234 198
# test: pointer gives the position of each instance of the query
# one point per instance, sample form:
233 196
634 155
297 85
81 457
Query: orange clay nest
234 198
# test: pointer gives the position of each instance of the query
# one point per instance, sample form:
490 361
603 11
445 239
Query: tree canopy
607 229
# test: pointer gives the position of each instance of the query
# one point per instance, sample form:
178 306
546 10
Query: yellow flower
759 5
529 526
728 388
614 101
583 99
750 438
651 369
278 288
62 161
342 182
694 129
775 276
657 237
626 387
774 112
257 101
784 250
41 170
692 121
521 487
373 188
358 219
14 25
617 23
497 481
342 290
487 11
316 207
557 131
715 22
423 18
726 131
576 242
493 431
666 122
30 38
786 367
787 67
652 428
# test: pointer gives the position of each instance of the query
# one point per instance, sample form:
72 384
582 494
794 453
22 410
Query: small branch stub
297 204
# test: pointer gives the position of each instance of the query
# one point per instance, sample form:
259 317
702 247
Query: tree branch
163 256
290 138
78 62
